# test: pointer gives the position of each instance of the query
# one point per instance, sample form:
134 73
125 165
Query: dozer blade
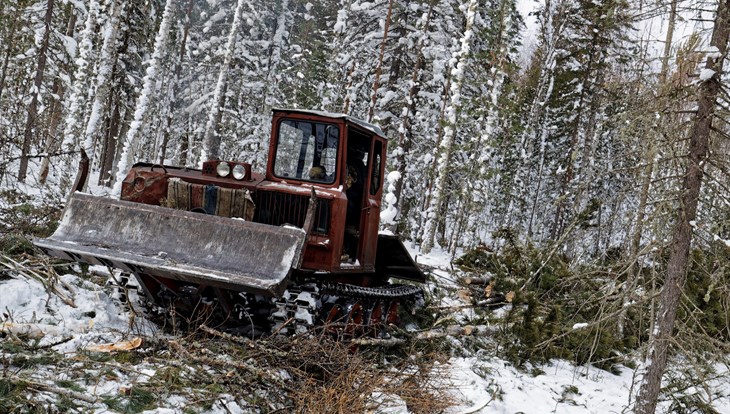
176 244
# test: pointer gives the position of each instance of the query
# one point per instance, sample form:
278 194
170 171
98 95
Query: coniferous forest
579 152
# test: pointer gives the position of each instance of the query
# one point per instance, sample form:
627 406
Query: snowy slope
82 314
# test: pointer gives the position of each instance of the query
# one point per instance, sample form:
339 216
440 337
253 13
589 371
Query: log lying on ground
477 280
435 333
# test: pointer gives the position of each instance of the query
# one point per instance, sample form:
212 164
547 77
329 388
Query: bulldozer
294 247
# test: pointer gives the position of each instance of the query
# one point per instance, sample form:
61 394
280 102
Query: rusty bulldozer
285 250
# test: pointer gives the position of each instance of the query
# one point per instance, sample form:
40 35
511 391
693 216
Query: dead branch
52 388
27 272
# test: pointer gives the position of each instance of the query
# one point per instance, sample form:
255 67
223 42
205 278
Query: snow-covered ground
81 315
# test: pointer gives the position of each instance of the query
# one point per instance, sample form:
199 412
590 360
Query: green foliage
21 218
65 404
138 398
685 397
14 398
706 306
550 298
70 385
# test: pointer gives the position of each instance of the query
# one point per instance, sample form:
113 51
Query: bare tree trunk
30 122
682 236
649 159
633 273
10 47
379 68
211 141
56 110
404 141
438 196
109 145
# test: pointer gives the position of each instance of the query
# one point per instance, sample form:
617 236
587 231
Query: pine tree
211 142
699 137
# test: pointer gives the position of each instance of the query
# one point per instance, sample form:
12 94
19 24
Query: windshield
307 151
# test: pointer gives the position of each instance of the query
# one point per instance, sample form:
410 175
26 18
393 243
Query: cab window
307 151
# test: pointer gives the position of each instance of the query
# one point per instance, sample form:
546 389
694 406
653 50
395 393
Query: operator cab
339 154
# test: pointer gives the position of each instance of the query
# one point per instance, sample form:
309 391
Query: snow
476 383
90 317
706 74
556 387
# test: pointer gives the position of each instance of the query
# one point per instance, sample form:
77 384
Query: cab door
373 193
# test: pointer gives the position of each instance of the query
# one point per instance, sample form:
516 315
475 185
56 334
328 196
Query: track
343 310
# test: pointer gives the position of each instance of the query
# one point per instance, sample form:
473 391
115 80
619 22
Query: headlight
223 169
239 171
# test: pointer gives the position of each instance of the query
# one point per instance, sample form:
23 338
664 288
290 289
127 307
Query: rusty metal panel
180 245
143 186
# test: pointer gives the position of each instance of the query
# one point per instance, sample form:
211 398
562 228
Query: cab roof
336 115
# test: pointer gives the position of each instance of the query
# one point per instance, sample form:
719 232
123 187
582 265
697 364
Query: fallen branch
29 273
227 364
54 389
451 330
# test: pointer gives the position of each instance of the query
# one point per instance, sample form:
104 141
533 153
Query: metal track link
384 292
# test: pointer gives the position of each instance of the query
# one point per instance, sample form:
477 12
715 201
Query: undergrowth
21 217
582 312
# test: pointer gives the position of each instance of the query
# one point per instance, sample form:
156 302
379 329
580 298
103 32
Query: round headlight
223 169
239 171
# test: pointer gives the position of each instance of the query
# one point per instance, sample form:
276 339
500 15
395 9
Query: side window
377 160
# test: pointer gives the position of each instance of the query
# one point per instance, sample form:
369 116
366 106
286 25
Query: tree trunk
75 115
211 142
104 72
682 235
150 79
438 195
404 140
10 47
56 110
30 122
175 83
379 68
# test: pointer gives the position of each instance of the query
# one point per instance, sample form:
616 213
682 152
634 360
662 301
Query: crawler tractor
294 247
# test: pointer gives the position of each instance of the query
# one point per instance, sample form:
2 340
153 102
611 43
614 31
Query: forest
580 148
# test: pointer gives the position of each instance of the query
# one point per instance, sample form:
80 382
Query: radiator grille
280 208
